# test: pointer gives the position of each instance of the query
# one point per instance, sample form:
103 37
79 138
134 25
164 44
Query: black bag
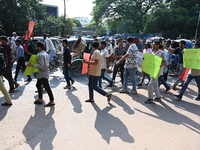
2 64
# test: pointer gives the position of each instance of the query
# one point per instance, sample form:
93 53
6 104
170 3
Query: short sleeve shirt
95 70
104 54
131 60
161 54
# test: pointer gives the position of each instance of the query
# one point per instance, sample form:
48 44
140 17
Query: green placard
32 61
151 65
191 58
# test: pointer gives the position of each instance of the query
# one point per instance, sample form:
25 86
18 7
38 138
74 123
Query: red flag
184 74
30 29
86 56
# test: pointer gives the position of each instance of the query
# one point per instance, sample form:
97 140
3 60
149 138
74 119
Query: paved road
127 123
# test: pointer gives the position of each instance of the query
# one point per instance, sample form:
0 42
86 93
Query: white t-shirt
104 54
95 70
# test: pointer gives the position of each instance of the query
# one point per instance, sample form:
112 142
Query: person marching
194 74
153 83
67 62
43 75
94 74
2 87
130 66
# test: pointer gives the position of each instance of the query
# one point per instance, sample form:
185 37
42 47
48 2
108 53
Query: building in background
83 32
83 21
52 10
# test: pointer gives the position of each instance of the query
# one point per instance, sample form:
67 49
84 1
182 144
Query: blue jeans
186 83
66 74
92 85
132 73
103 77
52 55
162 81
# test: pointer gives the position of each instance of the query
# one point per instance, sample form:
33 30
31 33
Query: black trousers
20 65
115 70
8 75
46 86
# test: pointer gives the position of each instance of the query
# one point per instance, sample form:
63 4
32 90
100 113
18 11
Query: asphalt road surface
124 124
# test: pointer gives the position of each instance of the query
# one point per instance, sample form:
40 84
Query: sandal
38 102
6 104
109 97
49 105
89 100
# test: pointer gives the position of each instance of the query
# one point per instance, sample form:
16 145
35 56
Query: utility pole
63 27
195 38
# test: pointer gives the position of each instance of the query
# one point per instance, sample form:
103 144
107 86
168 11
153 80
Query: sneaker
178 97
133 92
157 99
139 85
149 101
73 81
67 87
16 85
197 98
123 91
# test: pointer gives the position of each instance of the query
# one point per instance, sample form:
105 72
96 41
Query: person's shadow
74 100
40 128
110 126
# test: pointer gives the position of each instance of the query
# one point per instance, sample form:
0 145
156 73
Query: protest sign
32 61
86 56
30 29
151 64
191 58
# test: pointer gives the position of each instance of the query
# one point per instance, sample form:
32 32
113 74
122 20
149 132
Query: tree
128 13
16 14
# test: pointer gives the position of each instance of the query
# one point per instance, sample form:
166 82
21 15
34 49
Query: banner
151 65
86 56
32 61
30 29
191 58
184 74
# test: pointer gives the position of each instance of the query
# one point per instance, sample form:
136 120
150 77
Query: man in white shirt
49 47
13 44
104 63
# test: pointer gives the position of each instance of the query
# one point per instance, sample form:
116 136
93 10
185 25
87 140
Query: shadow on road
110 126
121 103
74 100
40 128
3 110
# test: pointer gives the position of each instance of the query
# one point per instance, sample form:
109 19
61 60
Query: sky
74 8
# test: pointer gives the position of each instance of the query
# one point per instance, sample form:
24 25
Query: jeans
66 74
92 85
153 86
52 55
162 81
132 73
115 70
186 83
103 77
46 86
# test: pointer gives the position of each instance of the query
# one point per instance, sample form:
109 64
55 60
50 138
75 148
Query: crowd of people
125 57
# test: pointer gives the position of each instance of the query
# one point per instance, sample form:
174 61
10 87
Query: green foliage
171 17
15 14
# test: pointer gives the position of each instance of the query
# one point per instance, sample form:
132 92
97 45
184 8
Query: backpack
2 64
